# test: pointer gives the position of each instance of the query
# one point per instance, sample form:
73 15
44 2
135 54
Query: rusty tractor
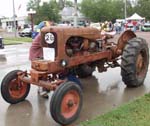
78 51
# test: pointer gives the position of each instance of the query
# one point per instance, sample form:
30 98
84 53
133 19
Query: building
8 23
1 17
67 14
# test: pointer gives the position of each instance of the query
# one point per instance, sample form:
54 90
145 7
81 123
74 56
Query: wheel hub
17 89
139 62
70 104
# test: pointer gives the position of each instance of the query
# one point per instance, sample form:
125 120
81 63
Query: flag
19 7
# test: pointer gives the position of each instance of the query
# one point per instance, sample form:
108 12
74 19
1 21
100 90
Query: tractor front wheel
66 103
13 90
135 61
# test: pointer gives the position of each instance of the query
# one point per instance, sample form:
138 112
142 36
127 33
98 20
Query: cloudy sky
6 7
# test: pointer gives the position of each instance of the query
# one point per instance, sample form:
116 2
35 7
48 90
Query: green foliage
17 40
69 3
96 10
48 11
101 10
33 4
142 8
130 8
135 113
63 3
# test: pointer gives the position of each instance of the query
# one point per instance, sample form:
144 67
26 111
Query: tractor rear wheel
12 89
84 71
66 103
135 61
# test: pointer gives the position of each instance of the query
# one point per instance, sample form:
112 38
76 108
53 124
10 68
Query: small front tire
66 103
13 90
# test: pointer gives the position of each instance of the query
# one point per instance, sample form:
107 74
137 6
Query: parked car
129 26
1 43
146 27
27 32
95 25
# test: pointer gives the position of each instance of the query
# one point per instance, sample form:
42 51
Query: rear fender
123 39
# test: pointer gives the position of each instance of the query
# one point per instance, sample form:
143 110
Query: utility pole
31 14
61 3
14 17
125 9
75 14
64 3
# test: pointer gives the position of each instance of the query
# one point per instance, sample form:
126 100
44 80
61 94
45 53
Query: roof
135 16
68 13
12 19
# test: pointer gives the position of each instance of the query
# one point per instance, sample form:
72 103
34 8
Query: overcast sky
6 7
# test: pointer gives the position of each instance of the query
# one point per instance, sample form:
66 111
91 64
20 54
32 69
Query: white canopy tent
135 16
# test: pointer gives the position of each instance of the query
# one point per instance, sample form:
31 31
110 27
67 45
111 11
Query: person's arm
36 50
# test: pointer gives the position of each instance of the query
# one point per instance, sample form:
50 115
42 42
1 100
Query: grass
135 113
17 40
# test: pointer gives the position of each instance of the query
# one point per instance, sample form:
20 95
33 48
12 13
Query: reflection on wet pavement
109 80
102 92
19 114
14 55
105 91
2 58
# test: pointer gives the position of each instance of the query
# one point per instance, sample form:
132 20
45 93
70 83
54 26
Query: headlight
49 38
63 63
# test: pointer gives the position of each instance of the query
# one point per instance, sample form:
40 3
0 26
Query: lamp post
125 9
31 13
14 17
75 14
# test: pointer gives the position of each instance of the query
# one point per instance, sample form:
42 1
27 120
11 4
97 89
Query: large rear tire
84 71
135 61
13 90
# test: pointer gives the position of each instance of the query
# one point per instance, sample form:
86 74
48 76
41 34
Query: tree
142 8
130 7
69 3
101 10
33 4
48 11
63 3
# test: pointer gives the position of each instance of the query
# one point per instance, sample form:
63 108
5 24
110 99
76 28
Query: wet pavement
102 92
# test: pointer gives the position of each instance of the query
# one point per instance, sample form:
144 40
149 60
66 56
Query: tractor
79 51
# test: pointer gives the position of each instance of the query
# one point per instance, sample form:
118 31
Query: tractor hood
61 34
73 31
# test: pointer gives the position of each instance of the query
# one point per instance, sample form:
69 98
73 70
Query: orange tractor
78 51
